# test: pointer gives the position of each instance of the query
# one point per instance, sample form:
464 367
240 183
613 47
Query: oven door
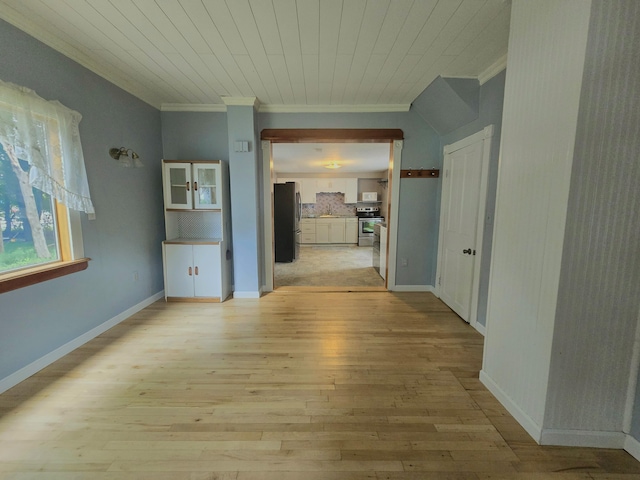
365 231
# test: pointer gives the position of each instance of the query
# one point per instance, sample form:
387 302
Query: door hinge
440 280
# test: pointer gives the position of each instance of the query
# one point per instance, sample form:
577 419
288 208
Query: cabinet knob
190 271
195 186
196 270
188 186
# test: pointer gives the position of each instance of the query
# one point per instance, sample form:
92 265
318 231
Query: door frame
391 136
484 136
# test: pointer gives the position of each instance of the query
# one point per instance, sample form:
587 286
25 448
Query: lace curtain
45 135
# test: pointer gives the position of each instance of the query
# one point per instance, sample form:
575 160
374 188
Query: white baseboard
632 446
46 360
582 438
481 329
413 288
522 418
237 294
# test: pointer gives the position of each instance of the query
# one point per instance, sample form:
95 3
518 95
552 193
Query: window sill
41 274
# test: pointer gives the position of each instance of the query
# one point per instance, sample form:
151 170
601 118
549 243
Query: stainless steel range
367 218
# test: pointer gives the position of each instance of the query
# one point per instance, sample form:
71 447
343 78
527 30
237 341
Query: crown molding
241 101
19 21
494 69
196 107
193 107
334 108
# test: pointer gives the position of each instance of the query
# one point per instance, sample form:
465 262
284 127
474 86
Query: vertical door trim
392 214
484 136
267 201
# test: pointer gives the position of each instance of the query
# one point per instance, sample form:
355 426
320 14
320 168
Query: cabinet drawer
308 238
308 228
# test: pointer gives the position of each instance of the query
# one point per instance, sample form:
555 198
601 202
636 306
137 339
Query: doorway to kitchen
331 254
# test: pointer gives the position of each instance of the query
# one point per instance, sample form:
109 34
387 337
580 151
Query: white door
206 270
179 270
461 188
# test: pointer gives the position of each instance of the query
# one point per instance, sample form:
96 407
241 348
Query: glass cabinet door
178 185
206 184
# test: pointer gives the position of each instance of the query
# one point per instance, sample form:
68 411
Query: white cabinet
308 190
383 252
330 185
308 228
351 230
351 190
330 230
322 232
336 232
197 263
192 185
193 271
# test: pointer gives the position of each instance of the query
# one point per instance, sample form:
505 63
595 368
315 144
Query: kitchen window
43 187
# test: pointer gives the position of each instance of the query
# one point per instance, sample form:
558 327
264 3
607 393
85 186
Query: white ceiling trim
19 21
193 107
334 108
493 70
196 107
241 101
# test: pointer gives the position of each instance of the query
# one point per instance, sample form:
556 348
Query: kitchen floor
332 266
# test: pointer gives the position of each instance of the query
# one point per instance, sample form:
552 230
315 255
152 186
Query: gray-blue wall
126 235
490 113
195 136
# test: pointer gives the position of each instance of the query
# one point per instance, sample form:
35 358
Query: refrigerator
287 211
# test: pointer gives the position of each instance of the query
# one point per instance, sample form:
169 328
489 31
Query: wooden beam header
331 135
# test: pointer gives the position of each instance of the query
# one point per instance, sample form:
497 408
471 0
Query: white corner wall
547 46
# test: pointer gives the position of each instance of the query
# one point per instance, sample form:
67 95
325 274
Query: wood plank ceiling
359 55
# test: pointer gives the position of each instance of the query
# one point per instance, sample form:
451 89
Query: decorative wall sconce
122 156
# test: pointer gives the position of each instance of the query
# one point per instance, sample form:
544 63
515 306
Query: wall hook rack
420 173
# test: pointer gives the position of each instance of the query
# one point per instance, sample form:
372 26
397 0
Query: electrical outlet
403 262
135 276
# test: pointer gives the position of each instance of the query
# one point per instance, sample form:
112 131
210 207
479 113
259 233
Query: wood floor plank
349 385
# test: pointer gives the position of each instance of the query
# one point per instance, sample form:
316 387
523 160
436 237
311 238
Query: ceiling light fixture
122 156
333 165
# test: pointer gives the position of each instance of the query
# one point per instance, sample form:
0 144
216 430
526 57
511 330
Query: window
43 185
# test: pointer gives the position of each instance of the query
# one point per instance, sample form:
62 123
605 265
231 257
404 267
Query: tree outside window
27 218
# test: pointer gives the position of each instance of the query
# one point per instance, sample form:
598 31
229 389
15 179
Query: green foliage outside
22 254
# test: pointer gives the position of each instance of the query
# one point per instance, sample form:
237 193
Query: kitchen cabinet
331 185
330 230
322 232
308 229
308 190
191 185
351 230
196 260
193 271
351 190
383 252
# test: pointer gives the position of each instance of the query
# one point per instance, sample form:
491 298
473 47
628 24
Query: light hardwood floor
296 385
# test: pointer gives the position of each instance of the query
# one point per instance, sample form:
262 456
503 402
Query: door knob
467 251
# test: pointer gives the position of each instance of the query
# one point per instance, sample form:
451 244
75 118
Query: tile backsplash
326 203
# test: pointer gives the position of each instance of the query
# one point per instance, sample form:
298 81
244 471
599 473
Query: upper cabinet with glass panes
192 185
